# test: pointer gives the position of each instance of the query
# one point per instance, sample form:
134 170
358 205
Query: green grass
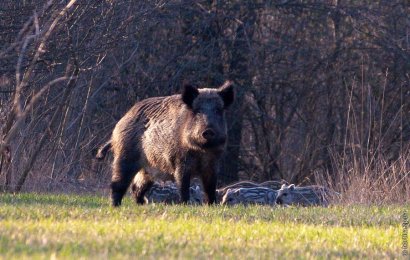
66 226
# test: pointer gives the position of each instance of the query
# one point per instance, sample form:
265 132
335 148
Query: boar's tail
102 151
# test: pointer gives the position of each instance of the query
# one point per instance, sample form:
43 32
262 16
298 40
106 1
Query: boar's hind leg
123 173
141 184
209 183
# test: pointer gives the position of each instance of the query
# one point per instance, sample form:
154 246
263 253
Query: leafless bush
363 181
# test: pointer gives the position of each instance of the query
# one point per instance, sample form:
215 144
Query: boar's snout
213 137
209 134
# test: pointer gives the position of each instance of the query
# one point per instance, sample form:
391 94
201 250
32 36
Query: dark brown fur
183 135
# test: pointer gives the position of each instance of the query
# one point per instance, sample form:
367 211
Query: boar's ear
189 94
227 93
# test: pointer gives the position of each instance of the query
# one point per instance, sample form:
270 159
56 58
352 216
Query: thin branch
22 116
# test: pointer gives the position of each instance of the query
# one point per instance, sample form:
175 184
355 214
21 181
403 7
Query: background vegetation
323 91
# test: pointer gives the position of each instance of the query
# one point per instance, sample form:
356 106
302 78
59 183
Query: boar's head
205 123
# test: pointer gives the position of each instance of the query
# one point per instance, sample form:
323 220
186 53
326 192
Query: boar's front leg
183 179
209 182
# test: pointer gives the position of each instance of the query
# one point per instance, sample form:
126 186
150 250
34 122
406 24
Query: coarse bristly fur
252 195
182 135
305 196
220 193
169 194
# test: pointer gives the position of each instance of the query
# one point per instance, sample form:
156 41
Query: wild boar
253 195
305 196
183 135
169 194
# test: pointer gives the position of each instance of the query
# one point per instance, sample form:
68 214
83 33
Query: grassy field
66 226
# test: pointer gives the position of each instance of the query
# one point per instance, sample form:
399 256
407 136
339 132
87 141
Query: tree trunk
239 72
